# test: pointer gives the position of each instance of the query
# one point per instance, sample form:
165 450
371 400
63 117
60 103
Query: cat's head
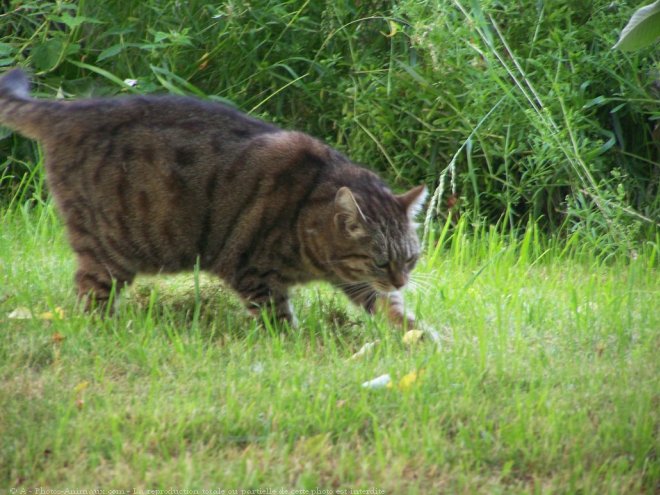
378 238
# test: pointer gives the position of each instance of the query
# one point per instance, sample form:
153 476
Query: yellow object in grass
56 314
409 380
412 337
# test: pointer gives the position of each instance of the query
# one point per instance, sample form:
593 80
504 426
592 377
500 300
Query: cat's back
166 122
174 125
157 112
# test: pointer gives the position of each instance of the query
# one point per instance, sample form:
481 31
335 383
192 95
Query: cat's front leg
95 279
362 294
273 301
392 305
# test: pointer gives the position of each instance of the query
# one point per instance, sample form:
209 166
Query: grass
517 114
537 116
546 380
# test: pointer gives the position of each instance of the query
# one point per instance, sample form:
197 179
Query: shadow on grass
216 312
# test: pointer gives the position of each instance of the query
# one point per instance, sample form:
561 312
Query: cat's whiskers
425 276
355 289
415 286
364 292
420 283
371 298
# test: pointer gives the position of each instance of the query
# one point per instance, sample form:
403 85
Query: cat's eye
411 260
381 263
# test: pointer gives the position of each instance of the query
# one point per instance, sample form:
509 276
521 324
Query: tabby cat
157 184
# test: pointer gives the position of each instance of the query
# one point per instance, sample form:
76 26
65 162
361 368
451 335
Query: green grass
523 105
518 114
546 380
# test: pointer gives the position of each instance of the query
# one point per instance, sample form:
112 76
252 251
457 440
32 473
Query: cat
150 184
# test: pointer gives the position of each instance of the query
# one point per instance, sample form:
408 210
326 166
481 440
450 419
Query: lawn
545 379
536 139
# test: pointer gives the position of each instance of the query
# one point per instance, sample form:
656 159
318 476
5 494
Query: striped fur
151 184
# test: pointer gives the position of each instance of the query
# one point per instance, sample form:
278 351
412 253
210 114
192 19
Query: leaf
480 21
394 29
102 72
409 380
414 74
57 313
160 72
412 337
81 387
6 49
597 101
365 349
607 145
46 55
642 29
72 49
110 52
73 22
160 36
20 313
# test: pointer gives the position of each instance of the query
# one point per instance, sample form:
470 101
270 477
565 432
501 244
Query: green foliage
643 28
521 108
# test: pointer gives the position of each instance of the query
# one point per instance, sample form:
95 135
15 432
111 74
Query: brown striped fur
152 184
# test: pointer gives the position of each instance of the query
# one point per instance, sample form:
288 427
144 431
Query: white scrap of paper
380 382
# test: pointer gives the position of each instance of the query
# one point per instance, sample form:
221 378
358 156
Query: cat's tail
15 83
18 110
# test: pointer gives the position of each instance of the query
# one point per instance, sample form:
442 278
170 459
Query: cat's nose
398 280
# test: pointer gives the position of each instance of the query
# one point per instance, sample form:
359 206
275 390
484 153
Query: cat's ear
349 219
413 200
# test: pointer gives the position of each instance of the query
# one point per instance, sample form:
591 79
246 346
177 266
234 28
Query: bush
522 105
